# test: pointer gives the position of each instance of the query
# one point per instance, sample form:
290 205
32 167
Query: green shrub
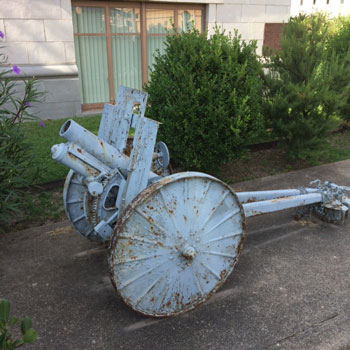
207 95
16 159
339 40
306 85
15 163
339 43
7 341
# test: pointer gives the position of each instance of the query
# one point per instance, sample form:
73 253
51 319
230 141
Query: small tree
207 94
303 81
16 160
339 40
339 43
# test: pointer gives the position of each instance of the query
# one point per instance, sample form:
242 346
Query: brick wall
272 35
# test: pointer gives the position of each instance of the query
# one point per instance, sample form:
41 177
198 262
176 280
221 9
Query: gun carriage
173 239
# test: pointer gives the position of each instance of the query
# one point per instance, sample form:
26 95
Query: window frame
142 6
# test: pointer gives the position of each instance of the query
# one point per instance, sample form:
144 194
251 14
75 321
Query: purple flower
15 69
42 124
27 104
2 35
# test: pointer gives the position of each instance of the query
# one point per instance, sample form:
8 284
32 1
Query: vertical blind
91 53
126 47
113 44
159 23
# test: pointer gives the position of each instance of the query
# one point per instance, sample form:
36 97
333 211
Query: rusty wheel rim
176 244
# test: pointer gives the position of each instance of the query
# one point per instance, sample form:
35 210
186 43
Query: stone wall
39 39
248 17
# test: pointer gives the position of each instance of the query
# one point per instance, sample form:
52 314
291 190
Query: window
115 43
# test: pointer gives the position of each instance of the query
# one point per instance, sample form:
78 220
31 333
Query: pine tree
306 85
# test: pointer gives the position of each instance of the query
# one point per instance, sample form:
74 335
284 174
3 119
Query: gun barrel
94 146
101 150
77 159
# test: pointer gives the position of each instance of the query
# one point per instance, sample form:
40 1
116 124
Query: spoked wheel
176 244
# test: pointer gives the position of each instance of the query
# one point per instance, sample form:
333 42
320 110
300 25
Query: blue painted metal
140 159
107 123
273 205
176 244
93 145
329 201
76 158
104 177
117 120
246 197
174 239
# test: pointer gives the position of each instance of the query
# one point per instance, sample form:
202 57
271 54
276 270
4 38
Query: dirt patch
258 164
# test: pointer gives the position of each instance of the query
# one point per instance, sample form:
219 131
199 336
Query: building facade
332 7
81 51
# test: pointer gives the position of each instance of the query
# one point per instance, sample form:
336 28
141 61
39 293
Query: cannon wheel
176 244
76 200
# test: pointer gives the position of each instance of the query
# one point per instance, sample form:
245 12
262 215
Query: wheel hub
189 253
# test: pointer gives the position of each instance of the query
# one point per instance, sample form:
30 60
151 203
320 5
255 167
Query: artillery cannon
173 239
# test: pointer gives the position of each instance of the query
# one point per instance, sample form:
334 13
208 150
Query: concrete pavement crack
303 331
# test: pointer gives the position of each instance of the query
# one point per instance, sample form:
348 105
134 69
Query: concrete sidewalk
291 289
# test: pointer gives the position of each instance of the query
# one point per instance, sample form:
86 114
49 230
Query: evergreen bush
339 44
207 94
339 40
303 83
16 160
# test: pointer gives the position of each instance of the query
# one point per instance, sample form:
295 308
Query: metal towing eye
173 239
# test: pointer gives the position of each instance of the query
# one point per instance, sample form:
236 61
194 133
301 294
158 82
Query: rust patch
222 274
252 200
276 200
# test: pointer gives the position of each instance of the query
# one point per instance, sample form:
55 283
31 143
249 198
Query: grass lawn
43 138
